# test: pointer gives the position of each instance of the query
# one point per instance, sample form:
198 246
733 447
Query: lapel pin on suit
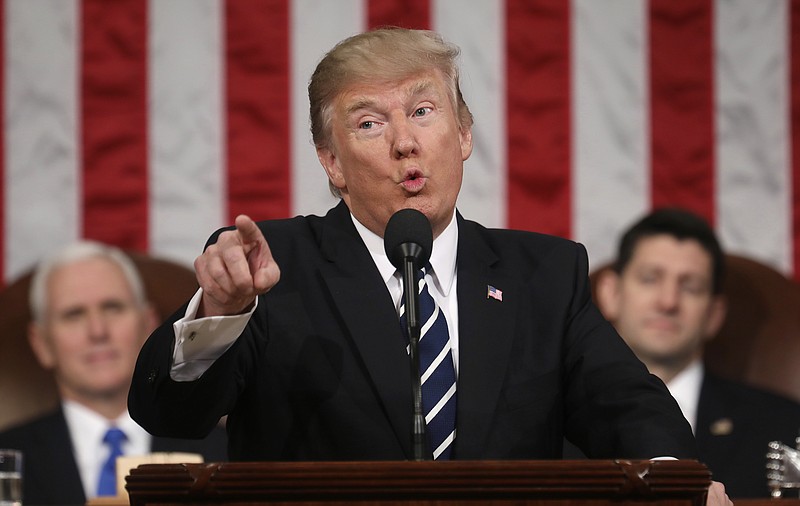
721 427
494 293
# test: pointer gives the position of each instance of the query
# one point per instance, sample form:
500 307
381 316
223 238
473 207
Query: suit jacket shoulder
50 473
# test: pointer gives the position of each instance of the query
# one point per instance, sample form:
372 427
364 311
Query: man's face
662 303
93 329
394 146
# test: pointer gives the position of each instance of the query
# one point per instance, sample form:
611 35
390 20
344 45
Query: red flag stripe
2 146
114 122
682 104
538 115
257 100
794 90
405 13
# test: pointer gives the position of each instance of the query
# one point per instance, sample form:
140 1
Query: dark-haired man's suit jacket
735 423
321 371
50 472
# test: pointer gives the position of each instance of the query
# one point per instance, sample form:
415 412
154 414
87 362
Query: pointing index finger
248 230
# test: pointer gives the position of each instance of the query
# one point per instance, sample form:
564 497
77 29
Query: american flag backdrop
148 124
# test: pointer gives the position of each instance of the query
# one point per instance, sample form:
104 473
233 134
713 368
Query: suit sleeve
613 407
189 409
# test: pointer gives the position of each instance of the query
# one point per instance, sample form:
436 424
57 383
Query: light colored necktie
107 486
438 376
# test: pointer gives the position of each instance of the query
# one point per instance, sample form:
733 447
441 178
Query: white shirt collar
685 388
443 256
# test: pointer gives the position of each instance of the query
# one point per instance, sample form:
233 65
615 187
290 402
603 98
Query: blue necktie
437 372
107 486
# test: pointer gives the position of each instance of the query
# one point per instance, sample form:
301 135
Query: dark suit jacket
735 422
50 474
321 371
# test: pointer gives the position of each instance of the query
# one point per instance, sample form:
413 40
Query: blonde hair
382 55
76 252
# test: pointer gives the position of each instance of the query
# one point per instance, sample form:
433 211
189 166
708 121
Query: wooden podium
542 483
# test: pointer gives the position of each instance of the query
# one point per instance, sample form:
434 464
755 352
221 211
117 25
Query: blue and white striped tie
437 372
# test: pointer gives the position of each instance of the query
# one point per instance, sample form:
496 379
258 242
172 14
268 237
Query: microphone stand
413 328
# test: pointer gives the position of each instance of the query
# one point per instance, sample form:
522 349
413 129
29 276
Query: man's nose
97 324
403 139
668 295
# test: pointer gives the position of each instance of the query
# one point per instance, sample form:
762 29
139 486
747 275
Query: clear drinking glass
783 468
10 478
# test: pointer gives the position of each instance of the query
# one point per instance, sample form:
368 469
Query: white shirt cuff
201 341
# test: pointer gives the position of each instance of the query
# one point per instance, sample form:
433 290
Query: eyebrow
417 88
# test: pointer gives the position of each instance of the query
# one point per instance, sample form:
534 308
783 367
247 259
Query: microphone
408 241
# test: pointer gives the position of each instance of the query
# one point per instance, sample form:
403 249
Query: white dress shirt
685 388
441 282
87 429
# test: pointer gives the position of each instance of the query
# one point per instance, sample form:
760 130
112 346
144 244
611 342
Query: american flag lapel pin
494 293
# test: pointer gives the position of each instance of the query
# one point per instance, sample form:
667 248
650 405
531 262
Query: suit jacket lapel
715 433
59 471
485 337
366 307
485 329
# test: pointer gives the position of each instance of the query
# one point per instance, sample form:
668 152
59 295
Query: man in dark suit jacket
295 331
51 474
321 371
735 423
664 295
90 317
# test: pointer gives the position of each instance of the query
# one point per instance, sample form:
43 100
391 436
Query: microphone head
408 234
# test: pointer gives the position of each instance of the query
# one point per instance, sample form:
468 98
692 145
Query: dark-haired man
664 296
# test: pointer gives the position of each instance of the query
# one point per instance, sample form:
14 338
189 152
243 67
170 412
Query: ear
330 163
40 345
466 143
717 313
608 293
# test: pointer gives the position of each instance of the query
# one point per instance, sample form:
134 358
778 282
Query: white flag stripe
42 181
753 168
610 103
478 30
186 155
315 26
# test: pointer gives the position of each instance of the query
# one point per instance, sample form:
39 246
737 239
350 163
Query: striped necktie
107 486
437 372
